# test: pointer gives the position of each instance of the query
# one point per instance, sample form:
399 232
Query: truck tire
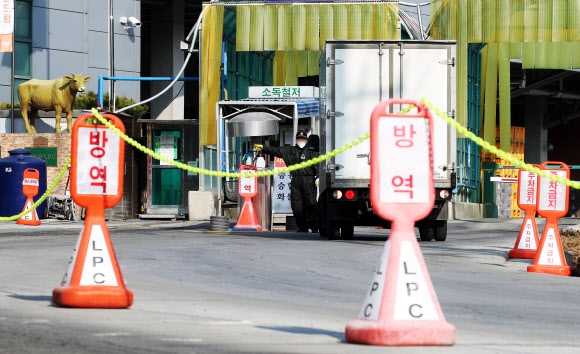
427 230
440 230
333 231
347 232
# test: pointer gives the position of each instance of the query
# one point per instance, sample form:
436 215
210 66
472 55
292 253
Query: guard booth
270 116
166 188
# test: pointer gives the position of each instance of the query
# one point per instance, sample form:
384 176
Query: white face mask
301 144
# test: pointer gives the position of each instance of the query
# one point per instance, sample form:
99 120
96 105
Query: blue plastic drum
12 168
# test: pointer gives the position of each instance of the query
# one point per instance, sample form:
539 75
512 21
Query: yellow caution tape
500 153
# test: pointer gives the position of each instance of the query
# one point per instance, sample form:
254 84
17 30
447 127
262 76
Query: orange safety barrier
30 182
552 205
401 307
93 278
527 241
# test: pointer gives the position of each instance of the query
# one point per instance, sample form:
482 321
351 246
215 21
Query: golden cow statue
50 95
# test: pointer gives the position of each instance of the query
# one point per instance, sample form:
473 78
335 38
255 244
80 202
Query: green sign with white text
49 154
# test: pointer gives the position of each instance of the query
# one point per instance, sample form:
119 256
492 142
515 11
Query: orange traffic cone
93 278
527 241
552 204
401 307
248 221
550 257
30 218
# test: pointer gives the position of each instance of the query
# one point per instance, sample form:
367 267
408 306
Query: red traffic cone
401 307
93 278
550 257
30 218
527 241
248 221
552 204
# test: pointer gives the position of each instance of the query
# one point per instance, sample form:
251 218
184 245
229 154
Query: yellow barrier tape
500 153
263 173
43 197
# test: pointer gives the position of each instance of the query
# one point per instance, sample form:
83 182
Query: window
22 42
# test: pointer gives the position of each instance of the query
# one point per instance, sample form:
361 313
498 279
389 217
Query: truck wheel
332 232
427 230
440 230
347 232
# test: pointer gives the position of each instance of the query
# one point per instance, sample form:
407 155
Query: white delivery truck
354 77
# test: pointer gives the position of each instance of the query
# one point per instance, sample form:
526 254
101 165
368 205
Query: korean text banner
6 25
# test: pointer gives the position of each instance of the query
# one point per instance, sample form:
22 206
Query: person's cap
301 134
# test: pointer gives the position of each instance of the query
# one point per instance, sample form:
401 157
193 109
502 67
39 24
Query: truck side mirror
314 143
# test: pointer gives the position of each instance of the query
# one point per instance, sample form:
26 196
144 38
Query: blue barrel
12 168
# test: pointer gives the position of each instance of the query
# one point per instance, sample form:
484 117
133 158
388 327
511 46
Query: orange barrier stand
247 220
401 307
552 204
30 182
527 241
93 278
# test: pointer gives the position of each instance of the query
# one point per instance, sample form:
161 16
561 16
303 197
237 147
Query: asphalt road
274 292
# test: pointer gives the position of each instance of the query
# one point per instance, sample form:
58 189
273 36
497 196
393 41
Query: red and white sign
552 195
30 182
247 185
550 253
7 26
281 192
401 162
98 156
527 188
404 152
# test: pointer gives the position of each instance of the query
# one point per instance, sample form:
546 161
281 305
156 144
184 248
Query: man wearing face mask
304 181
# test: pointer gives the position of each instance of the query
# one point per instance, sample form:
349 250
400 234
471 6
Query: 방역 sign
401 163
97 161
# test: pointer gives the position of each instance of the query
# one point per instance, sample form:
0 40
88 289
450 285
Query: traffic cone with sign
527 241
552 204
93 278
247 220
401 307
30 190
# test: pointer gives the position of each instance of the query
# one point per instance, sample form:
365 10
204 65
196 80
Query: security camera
123 20
134 21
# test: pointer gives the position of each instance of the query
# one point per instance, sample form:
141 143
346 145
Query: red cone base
30 218
520 253
110 297
549 269
398 333
248 221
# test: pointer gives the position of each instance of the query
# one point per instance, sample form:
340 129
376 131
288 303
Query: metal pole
111 52
12 130
420 22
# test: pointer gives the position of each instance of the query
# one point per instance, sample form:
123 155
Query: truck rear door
356 82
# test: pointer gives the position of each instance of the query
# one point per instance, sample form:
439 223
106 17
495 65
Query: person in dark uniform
304 181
